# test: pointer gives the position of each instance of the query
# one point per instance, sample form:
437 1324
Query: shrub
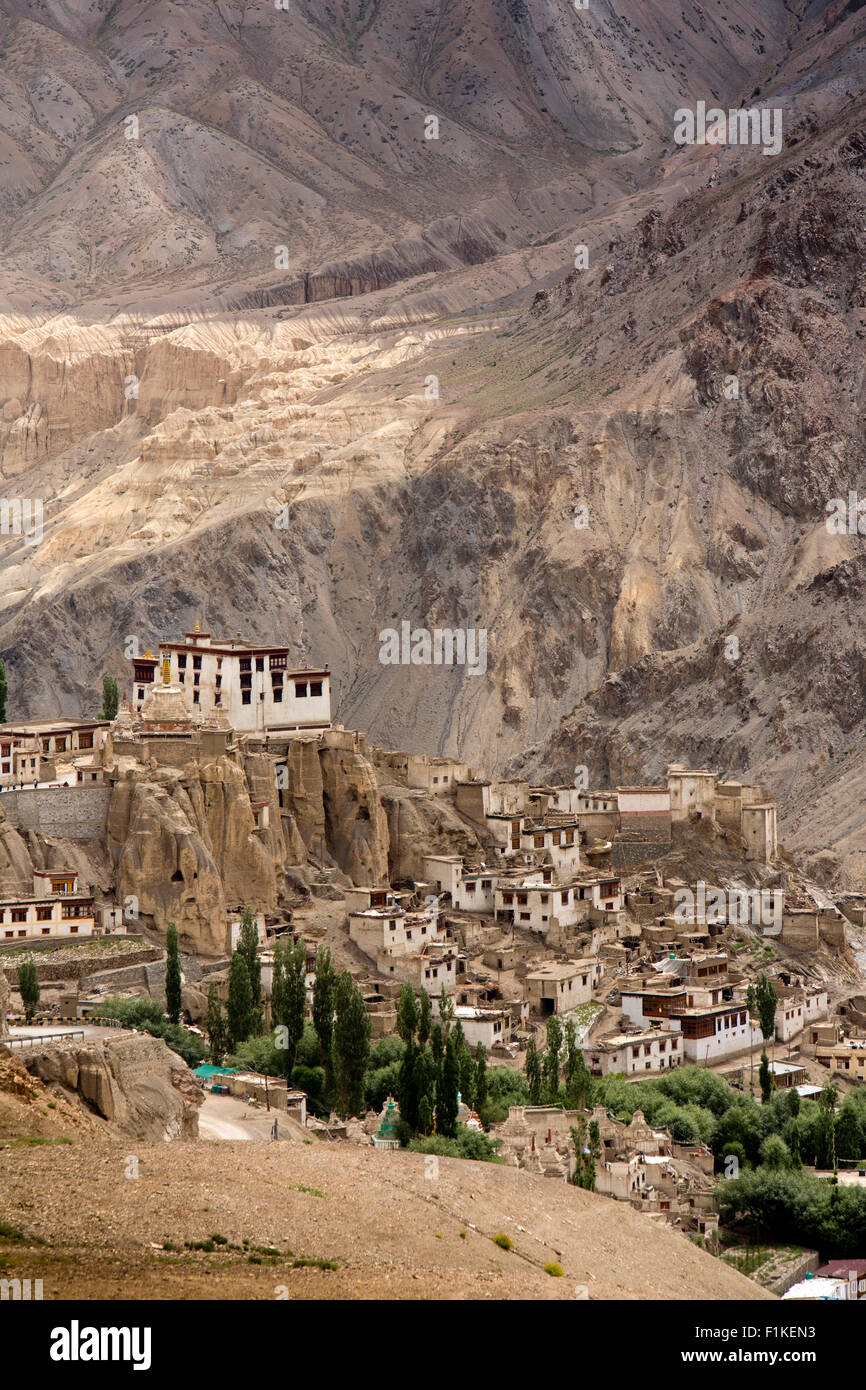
554 1269
503 1241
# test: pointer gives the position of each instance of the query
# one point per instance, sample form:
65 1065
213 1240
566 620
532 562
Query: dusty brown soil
394 1232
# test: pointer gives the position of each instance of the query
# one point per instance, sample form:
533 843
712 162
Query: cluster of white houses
519 816
54 909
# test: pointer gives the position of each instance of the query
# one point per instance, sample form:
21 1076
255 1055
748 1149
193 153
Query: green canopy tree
351 1044
215 1026
532 1067
551 1060
173 987
248 945
239 1009
323 1010
480 1076
293 1003
425 1018
765 1076
278 986
446 1107
110 698
28 986
766 1000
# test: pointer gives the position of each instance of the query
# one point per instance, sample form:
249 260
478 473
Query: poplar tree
173 987
28 986
425 1018
446 1106
351 1044
278 986
240 1002
294 1001
550 1065
480 1076
216 1027
110 698
323 1010
248 945
532 1067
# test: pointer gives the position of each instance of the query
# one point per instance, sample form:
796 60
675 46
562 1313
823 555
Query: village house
632 1054
393 931
760 832
848 1057
488 1026
788 1075
434 968
56 909
535 906
692 791
557 842
434 775
445 872
361 899
476 891
559 988
798 1009
30 752
645 809
480 800
253 686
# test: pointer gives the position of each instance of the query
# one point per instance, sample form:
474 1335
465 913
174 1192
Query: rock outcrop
134 1082
186 848
356 825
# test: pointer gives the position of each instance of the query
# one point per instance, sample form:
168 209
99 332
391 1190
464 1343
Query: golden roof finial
197 628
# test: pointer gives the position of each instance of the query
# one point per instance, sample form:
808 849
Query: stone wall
88 965
69 813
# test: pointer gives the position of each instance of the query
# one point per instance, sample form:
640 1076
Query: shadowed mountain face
298 335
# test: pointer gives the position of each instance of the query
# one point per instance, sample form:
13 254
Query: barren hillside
400 422
393 1231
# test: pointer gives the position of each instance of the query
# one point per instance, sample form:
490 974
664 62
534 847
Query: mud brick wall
68 813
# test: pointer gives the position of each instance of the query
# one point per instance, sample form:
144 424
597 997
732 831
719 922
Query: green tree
28 986
278 986
766 1000
751 1010
4 691
551 1060
425 1019
577 1081
446 1012
215 1027
173 987
239 1008
850 1142
293 1005
407 1086
465 1066
351 1044
425 1116
323 1009
248 945
765 1076
825 1130
480 1077
446 1105
532 1067
775 1152
407 1013
110 698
